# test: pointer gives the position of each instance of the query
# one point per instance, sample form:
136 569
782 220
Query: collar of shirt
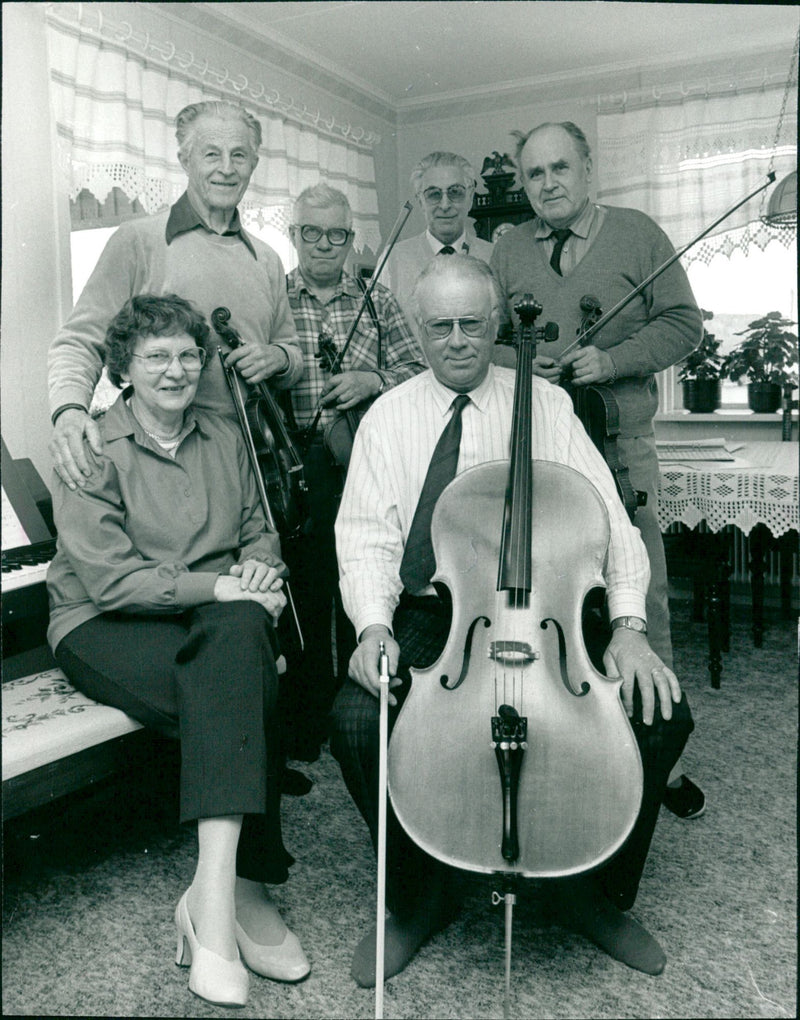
443 396
436 245
183 217
581 227
296 285
119 421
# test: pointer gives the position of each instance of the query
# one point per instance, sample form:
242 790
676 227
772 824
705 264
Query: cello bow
383 749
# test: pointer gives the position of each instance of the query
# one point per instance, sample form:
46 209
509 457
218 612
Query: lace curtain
115 108
685 160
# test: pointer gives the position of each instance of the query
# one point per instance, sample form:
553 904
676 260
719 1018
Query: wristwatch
630 623
382 386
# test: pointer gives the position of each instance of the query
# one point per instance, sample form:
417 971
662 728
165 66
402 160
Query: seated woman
164 593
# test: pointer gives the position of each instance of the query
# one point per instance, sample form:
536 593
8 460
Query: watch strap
630 623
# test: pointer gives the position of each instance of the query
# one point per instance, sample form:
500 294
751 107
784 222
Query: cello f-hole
444 678
562 660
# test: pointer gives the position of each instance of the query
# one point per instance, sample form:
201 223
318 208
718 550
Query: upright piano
28 545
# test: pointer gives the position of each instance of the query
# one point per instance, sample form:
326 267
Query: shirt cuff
371 617
626 603
66 407
196 589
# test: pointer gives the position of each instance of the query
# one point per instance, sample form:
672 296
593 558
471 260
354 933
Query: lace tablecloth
758 487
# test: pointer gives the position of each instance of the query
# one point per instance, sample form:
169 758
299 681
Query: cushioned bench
56 740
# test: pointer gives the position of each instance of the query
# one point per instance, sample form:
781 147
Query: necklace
155 435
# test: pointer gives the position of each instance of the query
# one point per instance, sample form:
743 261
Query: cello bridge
512 653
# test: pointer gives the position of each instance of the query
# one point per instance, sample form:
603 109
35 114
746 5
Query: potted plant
701 373
768 357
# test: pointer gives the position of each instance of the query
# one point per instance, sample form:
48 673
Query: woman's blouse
150 532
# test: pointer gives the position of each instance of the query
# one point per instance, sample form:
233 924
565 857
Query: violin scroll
280 462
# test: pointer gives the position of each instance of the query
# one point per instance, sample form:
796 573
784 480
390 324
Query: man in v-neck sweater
574 248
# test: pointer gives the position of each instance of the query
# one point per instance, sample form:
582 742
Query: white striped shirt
391 454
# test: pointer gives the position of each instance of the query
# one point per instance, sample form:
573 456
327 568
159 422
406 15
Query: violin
598 410
339 437
512 754
339 434
278 459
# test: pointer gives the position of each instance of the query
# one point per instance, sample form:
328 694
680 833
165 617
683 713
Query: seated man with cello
407 445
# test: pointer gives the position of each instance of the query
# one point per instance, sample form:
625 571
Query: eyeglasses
192 359
337 236
440 329
455 193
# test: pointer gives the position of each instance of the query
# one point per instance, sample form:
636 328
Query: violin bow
383 742
234 384
399 223
612 312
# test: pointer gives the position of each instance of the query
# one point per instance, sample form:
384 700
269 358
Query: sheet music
14 535
696 450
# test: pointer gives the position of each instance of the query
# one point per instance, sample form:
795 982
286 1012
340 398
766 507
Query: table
757 493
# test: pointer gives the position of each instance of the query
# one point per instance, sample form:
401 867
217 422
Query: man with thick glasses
325 301
443 184
197 249
386 566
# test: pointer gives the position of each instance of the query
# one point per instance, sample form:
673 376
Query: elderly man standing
465 403
574 248
325 301
197 249
443 184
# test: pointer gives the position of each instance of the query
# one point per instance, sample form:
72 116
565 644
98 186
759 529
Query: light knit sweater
657 329
207 269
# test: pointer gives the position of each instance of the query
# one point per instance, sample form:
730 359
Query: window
739 288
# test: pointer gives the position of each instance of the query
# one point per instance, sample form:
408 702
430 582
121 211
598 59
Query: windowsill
736 414
733 423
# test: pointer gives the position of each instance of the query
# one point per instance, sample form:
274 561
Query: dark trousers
421 627
315 674
207 677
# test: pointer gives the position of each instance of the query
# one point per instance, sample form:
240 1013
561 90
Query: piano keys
28 546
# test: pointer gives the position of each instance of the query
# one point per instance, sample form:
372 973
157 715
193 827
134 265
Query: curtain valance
686 160
115 109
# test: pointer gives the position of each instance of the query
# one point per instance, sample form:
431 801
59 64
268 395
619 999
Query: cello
533 770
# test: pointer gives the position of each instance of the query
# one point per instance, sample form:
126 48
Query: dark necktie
561 239
418 563
447 250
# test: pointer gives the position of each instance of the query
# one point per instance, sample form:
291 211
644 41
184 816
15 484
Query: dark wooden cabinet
502 204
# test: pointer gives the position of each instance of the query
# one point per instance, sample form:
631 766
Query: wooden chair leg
758 538
787 547
716 630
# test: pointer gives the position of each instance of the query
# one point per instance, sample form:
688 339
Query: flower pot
701 396
763 397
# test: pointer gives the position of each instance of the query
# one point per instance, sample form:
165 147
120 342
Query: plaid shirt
402 356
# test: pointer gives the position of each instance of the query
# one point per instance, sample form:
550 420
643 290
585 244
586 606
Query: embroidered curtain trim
115 110
686 162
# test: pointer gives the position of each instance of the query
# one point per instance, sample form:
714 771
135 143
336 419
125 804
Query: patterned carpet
89 889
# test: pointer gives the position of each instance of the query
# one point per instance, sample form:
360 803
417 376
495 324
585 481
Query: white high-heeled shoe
284 962
213 978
